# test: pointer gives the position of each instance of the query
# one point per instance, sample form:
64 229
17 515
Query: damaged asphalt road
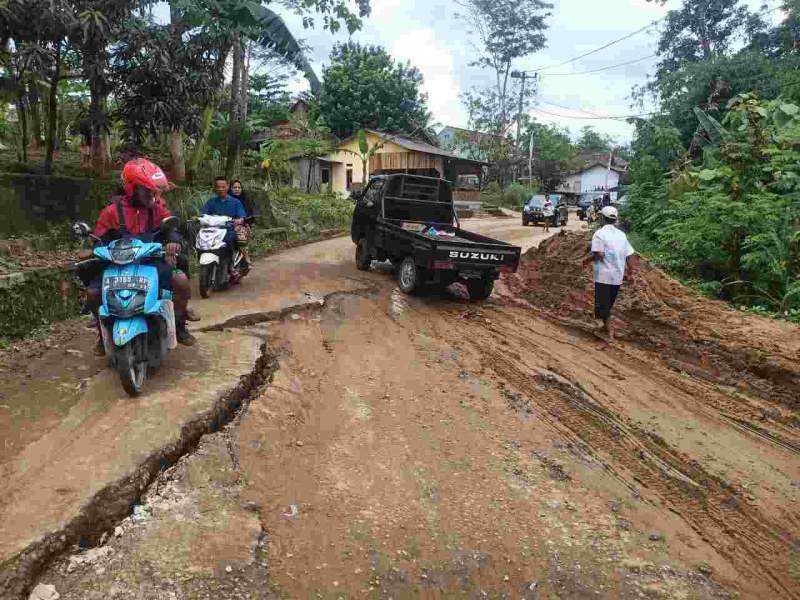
391 447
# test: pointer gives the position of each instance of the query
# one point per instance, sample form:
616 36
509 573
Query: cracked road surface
405 447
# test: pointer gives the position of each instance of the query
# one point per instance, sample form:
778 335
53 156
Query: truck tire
524 222
409 276
480 289
363 256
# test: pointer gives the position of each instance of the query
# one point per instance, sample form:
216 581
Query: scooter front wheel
132 373
208 279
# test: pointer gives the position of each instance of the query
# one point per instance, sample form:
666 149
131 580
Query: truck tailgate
475 254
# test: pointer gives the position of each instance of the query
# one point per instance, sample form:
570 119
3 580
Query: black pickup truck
410 221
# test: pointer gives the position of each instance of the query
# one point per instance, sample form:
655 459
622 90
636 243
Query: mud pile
705 338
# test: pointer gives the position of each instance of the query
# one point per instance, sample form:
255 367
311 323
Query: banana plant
709 132
365 152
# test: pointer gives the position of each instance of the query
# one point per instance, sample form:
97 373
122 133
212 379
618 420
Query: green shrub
732 219
513 197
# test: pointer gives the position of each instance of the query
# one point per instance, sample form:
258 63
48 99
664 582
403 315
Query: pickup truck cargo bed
392 221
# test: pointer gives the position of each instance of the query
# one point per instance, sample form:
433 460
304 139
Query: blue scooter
137 320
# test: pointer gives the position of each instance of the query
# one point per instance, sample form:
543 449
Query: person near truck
548 212
611 254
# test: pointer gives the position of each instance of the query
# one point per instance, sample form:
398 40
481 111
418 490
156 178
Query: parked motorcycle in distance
137 319
220 265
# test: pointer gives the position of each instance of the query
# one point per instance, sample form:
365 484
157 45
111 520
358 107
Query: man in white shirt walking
611 254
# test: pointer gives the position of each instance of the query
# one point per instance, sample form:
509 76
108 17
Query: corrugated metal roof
418 146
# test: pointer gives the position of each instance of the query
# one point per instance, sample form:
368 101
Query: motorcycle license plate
128 282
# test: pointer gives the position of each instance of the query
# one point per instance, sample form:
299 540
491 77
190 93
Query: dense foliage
144 80
364 87
731 219
715 192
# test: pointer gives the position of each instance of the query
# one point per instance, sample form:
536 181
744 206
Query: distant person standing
547 212
611 253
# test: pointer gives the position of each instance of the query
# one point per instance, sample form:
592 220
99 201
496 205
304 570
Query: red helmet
141 171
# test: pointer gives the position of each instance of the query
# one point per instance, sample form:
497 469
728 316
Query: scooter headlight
123 253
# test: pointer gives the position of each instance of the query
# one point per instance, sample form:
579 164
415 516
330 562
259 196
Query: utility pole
530 161
608 170
520 75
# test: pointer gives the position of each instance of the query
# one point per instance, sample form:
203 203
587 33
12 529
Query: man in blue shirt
225 205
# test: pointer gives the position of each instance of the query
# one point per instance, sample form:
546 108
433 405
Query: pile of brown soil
703 337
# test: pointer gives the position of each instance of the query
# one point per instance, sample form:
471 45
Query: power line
622 39
598 117
588 112
603 47
630 62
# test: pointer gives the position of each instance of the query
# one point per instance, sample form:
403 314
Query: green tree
364 87
508 30
591 141
702 29
163 74
659 139
248 19
554 154
34 34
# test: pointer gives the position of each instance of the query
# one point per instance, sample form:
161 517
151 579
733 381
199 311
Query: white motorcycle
220 265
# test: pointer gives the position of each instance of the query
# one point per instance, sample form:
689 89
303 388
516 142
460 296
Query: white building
594 177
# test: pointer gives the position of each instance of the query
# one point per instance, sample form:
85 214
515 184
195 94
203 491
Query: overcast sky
429 34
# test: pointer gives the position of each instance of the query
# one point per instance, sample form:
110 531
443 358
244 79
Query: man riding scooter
132 155
224 205
138 214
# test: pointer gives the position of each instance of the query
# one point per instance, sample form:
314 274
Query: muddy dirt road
398 447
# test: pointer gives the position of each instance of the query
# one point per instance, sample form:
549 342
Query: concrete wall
32 298
32 203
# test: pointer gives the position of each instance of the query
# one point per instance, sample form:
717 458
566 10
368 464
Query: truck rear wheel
363 256
409 276
480 289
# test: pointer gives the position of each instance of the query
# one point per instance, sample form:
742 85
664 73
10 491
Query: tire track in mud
758 547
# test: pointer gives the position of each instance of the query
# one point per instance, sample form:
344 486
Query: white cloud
426 33
432 57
